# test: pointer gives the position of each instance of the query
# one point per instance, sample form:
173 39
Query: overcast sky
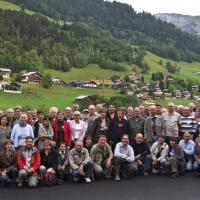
189 7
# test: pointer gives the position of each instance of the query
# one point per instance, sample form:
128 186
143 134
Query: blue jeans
87 170
10 176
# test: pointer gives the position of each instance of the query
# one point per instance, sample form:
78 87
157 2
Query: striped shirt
187 125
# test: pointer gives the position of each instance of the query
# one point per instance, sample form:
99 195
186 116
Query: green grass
36 96
90 72
188 70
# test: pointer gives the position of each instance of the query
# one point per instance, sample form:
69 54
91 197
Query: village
132 84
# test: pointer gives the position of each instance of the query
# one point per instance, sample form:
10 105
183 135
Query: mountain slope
190 24
123 22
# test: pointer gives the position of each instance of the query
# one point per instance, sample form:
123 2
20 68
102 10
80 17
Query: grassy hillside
36 96
188 70
87 73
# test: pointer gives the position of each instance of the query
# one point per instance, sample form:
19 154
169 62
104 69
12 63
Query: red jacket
67 133
35 159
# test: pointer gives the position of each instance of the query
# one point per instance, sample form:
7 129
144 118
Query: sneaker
88 180
117 178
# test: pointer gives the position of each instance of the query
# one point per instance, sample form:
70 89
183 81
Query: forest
31 42
123 22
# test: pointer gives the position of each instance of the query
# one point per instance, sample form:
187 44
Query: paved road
136 188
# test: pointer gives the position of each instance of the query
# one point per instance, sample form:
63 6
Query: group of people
97 142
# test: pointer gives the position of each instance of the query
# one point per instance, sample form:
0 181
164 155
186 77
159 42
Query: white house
5 73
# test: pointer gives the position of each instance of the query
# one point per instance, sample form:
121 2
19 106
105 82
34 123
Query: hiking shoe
88 180
117 178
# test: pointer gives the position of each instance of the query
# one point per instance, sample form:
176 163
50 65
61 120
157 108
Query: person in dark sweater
49 161
118 127
142 154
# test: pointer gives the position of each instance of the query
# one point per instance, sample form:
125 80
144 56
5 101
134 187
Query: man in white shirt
124 158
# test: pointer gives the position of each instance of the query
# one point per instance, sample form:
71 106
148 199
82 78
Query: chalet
57 81
85 100
135 76
168 78
31 77
120 85
12 88
76 84
89 84
195 88
5 73
104 82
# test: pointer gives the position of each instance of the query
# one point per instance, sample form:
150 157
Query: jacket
155 151
8 162
77 158
67 132
35 159
96 128
148 127
50 160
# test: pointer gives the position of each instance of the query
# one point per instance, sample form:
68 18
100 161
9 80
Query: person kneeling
8 164
49 162
101 155
124 158
159 151
28 160
80 162
175 160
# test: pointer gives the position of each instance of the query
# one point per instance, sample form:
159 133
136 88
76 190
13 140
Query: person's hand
138 156
140 162
81 170
29 170
3 173
108 164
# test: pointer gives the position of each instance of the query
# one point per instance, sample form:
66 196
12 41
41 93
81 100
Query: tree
1 77
127 79
47 81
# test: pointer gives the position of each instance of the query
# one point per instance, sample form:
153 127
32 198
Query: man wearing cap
85 117
170 121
